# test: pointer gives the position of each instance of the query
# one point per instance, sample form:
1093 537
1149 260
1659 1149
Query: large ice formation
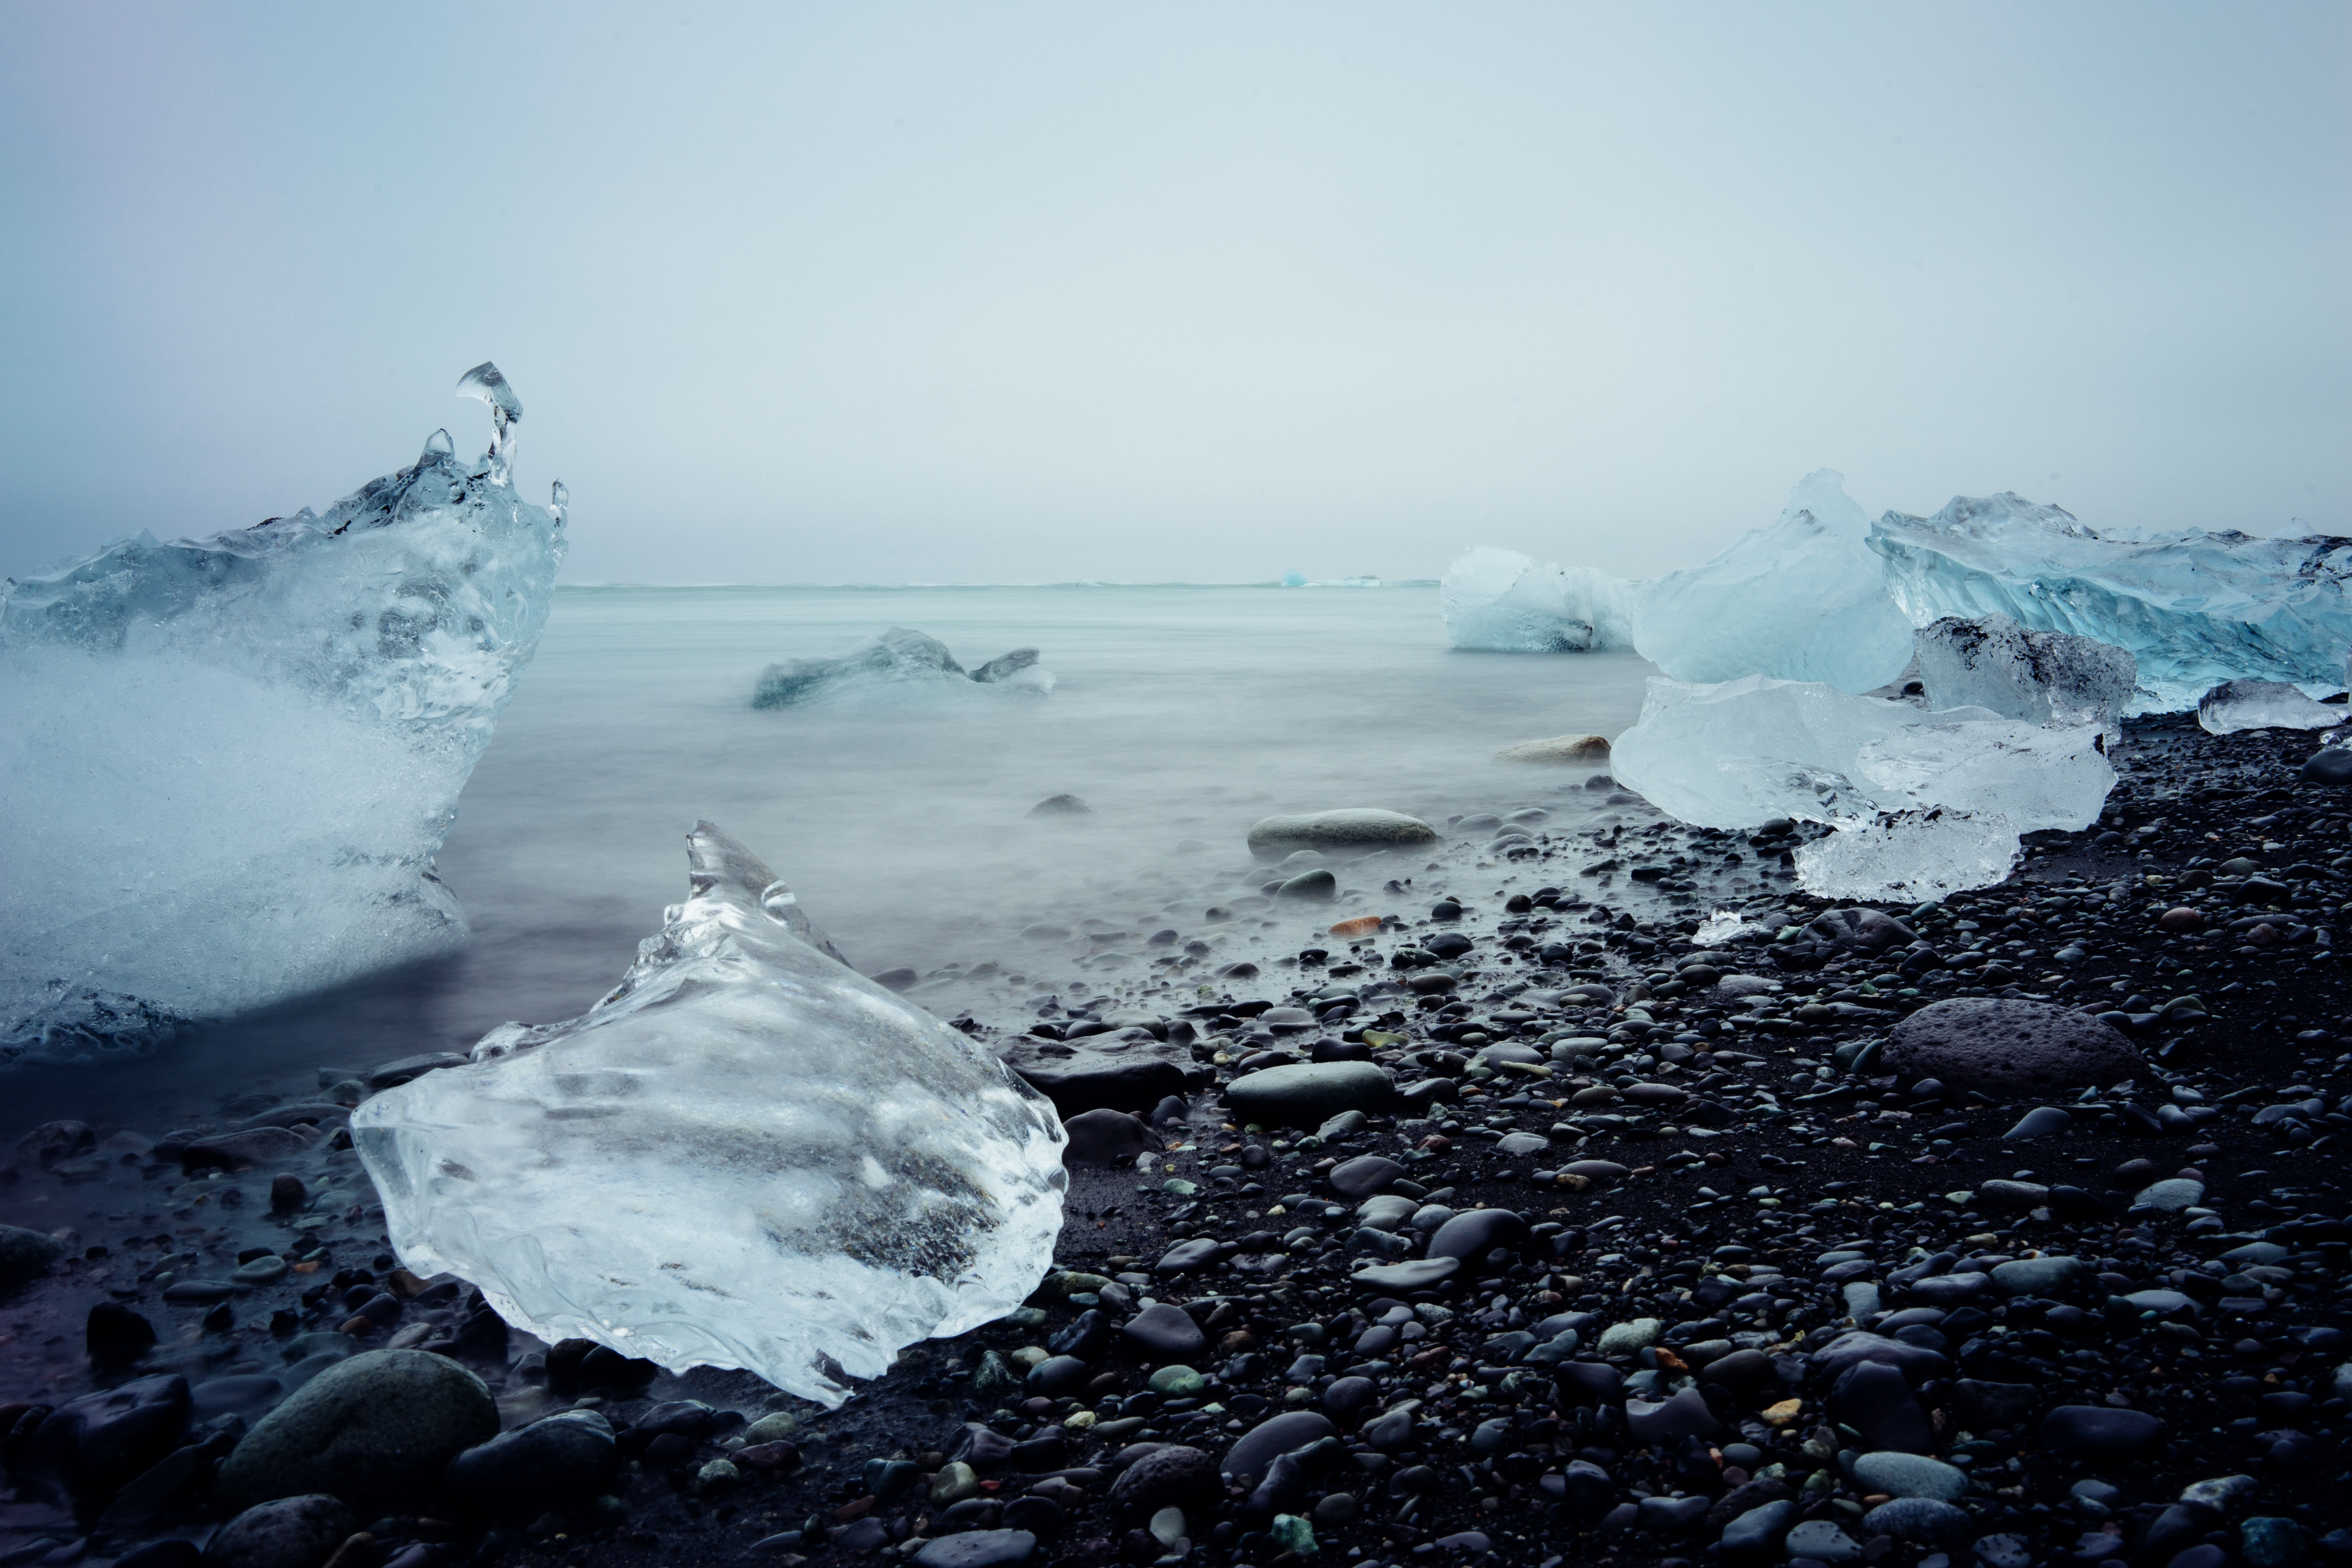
1937 799
1801 599
229 762
2237 705
746 1155
1501 601
2194 607
899 663
2042 677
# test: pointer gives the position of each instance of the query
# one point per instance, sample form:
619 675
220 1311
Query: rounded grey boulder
376 1431
1992 1043
290 1532
1356 827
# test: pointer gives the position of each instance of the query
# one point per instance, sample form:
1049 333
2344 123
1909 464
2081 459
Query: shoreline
1736 1155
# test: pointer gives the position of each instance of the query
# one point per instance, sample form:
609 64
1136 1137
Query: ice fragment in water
229 762
1956 788
1801 599
2236 705
747 1155
1500 601
2194 607
2042 677
898 664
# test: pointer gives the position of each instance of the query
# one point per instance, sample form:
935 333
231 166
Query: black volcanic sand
2117 1341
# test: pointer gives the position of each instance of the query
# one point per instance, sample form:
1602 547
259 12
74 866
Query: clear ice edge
230 760
746 1155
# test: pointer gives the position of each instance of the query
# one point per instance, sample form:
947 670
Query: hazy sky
1197 293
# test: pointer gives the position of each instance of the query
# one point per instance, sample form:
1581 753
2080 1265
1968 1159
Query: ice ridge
230 760
746 1155
2195 607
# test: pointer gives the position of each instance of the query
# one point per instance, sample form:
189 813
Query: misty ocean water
1181 716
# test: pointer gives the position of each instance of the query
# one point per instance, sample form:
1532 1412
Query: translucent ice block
746 1155
229 763
1801 599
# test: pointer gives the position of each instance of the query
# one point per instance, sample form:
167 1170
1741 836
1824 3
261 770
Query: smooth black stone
1165 1333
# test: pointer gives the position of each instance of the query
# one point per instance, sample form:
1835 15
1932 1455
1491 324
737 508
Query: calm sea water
1181 716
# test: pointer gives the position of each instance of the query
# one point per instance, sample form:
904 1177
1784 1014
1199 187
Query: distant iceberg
2195 607
229 762
1501 601
899 663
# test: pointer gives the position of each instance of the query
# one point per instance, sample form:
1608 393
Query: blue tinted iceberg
2194 607
1801 599
746 1155
1501 601
229 762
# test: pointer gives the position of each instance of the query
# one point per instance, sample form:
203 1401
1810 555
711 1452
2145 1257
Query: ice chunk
901 663
1910 855
1802 599
1951 791
1501 601
2042 677
2236 705
1720 927
229 762
747 1155
2194 607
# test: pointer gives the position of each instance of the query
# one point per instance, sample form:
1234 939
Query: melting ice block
1502 601
228 762
2237 705
897 663
2194 607
1802 599
747 1155
2042 677
1942 796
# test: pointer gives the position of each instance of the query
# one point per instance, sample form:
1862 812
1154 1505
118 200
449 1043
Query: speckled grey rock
290 1532
376 1431
26 1254
2010 1045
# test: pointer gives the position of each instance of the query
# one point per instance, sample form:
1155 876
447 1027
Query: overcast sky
1014 292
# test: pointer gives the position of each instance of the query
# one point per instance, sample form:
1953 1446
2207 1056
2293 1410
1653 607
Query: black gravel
1671 1207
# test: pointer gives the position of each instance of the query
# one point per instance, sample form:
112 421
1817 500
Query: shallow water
1180 714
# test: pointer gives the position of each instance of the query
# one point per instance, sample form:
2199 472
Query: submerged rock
1358 827
747 1155
1581 749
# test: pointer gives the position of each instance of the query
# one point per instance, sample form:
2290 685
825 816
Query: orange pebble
1362 925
